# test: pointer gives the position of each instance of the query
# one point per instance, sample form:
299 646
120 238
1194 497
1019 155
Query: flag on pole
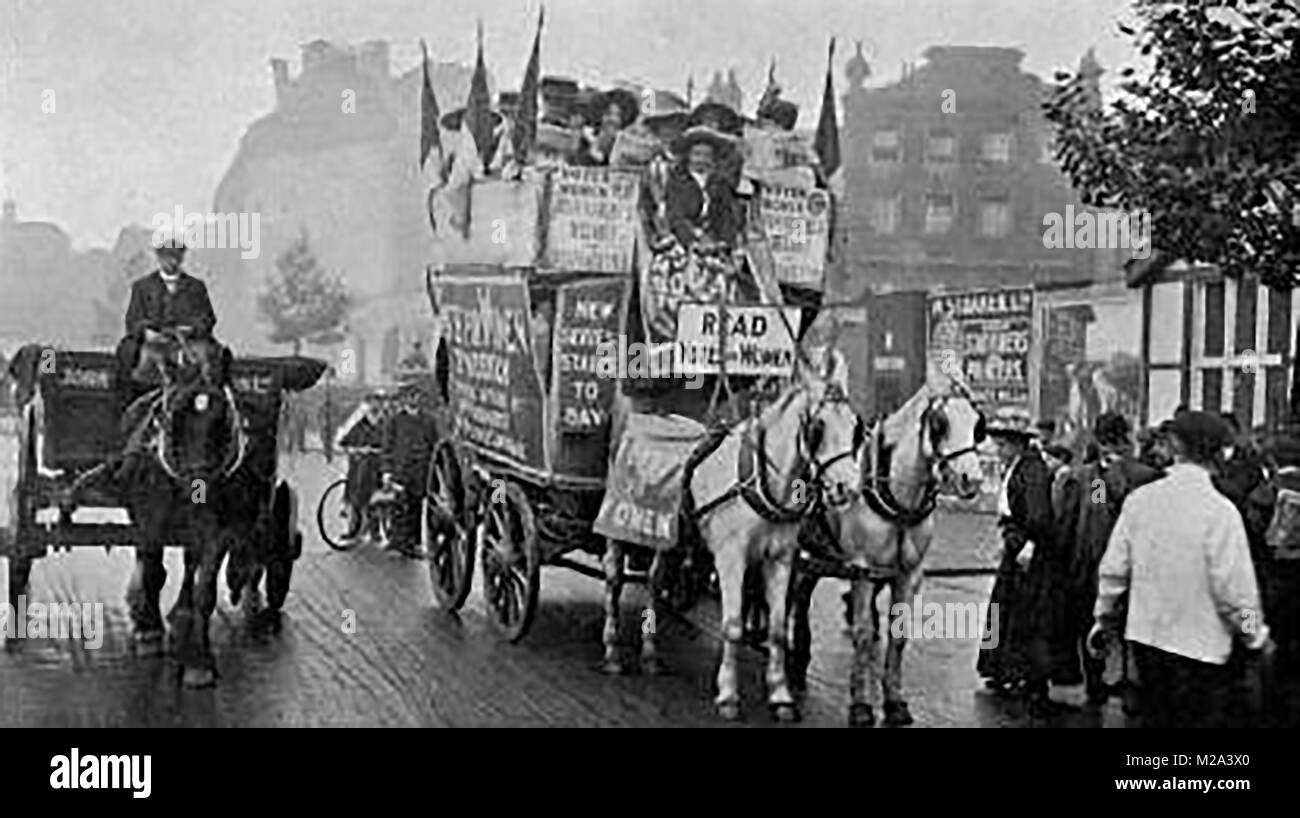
525 129
430 133
478 110
827 143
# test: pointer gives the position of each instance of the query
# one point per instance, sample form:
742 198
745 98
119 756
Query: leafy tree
303 301
1206 137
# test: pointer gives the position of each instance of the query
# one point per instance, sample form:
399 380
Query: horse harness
754 466
877 490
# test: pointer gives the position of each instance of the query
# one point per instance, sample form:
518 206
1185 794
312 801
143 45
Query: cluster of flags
478 119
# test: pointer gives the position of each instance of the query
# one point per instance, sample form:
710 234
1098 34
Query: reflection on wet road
410 664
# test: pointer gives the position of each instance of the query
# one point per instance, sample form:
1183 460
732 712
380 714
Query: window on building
1047 149
884 215
996 147
941 147
995 218
886 146
1247 299
1276 384
1243 398
1279 322
1212 390
939 211
1214 326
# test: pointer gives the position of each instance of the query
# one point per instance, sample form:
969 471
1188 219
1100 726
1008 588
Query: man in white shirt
1179 552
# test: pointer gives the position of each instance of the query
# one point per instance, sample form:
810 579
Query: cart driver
166 304
167 301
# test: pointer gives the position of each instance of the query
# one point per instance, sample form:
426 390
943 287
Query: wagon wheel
286 547
448 542
21 517
511 562
338 520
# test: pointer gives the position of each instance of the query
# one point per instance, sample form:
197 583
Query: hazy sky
152 96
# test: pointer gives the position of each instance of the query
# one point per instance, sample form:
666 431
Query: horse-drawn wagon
544 337
69 441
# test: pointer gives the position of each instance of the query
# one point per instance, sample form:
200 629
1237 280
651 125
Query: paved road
409 664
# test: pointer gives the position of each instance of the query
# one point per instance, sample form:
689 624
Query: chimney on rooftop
280 70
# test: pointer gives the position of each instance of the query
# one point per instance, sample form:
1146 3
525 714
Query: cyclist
362 438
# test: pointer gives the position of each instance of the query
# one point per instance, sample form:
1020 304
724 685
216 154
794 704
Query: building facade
338 161
949 173
1215 344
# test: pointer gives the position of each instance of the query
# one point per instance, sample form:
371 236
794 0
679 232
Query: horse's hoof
897 714
613 667
861 715
785 713
654 666
729 711
196 678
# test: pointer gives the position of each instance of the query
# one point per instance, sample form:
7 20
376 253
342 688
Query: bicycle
375 519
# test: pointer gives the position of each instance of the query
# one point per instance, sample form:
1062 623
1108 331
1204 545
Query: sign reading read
593 215
589 313
989 335
758 342
495 390
796 216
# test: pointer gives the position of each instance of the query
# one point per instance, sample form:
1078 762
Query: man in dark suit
701 204
167 300
1092 498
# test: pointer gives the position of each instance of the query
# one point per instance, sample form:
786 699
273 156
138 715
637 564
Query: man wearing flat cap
1180 557
167 300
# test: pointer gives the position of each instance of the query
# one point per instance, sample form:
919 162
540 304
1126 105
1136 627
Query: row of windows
1278 331
940 212
941 146
1277 381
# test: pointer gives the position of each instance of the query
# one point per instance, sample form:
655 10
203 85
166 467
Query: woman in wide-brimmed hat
1026 592
608 113
717 116
701 203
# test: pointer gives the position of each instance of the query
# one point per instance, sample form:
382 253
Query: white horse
931 440
750 496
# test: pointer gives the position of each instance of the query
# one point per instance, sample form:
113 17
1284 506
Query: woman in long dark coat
1026 592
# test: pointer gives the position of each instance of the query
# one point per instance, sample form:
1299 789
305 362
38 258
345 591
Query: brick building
949 172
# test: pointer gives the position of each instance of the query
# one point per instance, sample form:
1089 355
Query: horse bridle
935 424
233 460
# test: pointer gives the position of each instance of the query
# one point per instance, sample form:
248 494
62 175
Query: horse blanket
643 497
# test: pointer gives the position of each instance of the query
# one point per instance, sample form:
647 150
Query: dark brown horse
180 492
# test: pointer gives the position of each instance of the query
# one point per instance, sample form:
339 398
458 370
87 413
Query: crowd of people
1152 558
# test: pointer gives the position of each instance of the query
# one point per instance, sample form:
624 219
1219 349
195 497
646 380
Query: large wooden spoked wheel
511 561
445 530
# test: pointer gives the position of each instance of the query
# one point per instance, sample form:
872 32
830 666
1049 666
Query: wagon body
539 295
69 424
